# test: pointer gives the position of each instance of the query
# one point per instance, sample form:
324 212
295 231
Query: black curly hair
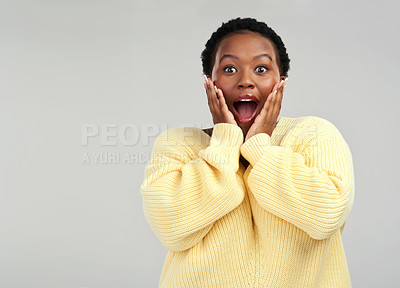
234 26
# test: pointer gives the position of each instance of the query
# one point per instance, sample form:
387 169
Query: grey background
64 64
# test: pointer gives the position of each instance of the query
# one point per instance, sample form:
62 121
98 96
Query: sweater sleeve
313 189
188 185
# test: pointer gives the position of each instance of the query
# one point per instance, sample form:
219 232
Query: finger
216 92
283 89
276 107
209 92
269 111
278 101
275 103
221 97
214 102
211 103
220 102
284 86
268 102
206 88
224 107
261 118
214 97
270 97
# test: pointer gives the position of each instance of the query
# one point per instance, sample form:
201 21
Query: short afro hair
234 26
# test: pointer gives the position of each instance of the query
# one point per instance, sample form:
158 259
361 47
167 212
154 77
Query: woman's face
245 64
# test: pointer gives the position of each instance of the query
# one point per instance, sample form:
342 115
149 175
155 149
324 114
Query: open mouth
245 109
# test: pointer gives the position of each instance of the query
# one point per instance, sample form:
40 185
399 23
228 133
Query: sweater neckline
281 121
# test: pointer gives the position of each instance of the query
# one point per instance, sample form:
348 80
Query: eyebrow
263 55
235 57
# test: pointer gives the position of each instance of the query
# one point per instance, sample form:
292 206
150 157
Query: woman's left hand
265 121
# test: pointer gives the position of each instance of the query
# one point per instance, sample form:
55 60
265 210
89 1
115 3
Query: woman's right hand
216 102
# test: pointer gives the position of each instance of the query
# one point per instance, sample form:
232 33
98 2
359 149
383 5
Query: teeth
245 100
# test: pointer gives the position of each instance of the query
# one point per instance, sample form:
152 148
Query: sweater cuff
255 147
230 136
224 148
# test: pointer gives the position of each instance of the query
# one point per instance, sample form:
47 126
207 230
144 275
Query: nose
246 80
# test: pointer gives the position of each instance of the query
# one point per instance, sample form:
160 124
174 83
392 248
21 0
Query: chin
245 127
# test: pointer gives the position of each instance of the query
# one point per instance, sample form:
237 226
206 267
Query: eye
262 69
229 69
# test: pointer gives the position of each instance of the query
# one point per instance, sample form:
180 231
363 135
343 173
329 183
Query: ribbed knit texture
278 223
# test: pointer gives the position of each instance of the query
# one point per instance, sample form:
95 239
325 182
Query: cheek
266 87
225 87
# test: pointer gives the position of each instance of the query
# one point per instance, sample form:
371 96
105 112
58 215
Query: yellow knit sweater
276 223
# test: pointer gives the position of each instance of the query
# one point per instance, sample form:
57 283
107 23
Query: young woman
252 202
